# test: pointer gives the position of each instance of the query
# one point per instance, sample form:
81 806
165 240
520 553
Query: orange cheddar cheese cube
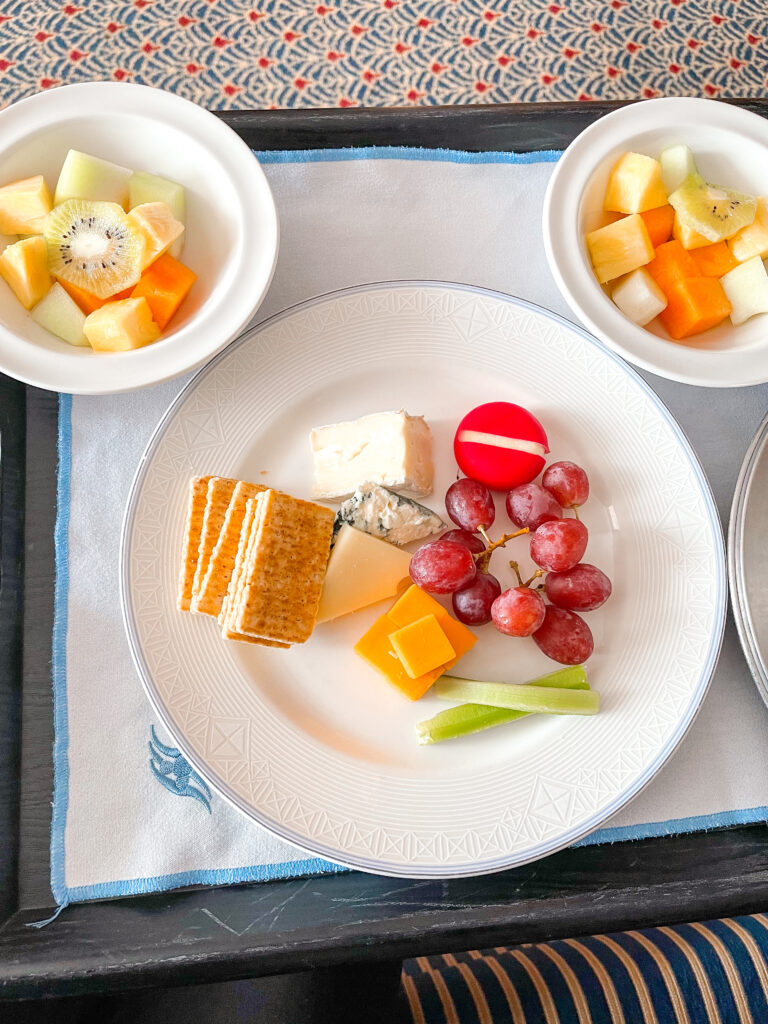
415 603
376 648
421 646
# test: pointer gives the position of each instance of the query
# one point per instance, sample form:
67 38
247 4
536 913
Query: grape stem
516 570
575 510
483 558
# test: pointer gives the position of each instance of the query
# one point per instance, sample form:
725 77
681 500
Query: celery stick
468 718
532 698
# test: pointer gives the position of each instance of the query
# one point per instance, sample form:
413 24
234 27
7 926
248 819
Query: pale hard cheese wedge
389 448
362 570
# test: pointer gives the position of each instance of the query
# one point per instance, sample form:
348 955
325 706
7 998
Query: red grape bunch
458 563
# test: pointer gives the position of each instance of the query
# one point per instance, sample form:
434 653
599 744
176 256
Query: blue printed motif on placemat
172 770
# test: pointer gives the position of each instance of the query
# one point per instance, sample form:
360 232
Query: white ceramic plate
315 745
731 147
231 236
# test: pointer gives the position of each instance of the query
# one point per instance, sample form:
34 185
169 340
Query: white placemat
129 815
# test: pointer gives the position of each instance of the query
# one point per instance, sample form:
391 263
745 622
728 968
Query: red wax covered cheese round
501 444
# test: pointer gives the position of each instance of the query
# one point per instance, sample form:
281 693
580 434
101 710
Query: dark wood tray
211 934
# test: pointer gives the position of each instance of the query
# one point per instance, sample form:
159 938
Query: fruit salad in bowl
656 228
96 263
138 236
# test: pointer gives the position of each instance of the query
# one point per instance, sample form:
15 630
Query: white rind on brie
384 513
393 449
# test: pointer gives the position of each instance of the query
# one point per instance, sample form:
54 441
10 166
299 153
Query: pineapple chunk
753 239
746 287
639 297
635 185
24 265
121 326
23 206
619 248
688 237
144 187
158 227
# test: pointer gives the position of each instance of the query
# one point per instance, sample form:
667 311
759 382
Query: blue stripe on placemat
261 872
442 156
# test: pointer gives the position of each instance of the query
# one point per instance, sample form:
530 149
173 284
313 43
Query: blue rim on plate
434 871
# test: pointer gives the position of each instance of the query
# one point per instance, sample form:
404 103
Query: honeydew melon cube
753 239
676 164
746 288
121 326
24 205
144 187
639 297
83 176
635 185
61 315
619 248
24 266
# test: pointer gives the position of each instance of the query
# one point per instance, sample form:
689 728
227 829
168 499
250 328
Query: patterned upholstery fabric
307 53
716 971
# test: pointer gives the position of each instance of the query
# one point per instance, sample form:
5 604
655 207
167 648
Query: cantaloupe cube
619 248
121 326
24 265
693 306
639 297
753 239
671 264
688 237
746 287
714 260
635 184
24 205
659 222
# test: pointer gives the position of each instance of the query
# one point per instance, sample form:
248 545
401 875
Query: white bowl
231 233
730 147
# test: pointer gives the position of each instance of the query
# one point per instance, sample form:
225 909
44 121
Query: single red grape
559 545
470 504
530 505
442 567
518 612
567 482
564 636
472 541
582 588
472 604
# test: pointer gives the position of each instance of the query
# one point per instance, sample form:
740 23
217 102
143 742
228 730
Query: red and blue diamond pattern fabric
292 53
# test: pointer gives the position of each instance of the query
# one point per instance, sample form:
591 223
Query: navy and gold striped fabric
714 972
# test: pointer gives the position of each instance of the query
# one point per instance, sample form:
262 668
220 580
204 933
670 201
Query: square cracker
283 578
217 502
233 594
213 590
198 496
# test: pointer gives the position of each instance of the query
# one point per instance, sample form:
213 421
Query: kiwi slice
93 245
715 211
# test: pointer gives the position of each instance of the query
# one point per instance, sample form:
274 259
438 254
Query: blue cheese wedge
389 448
388 515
